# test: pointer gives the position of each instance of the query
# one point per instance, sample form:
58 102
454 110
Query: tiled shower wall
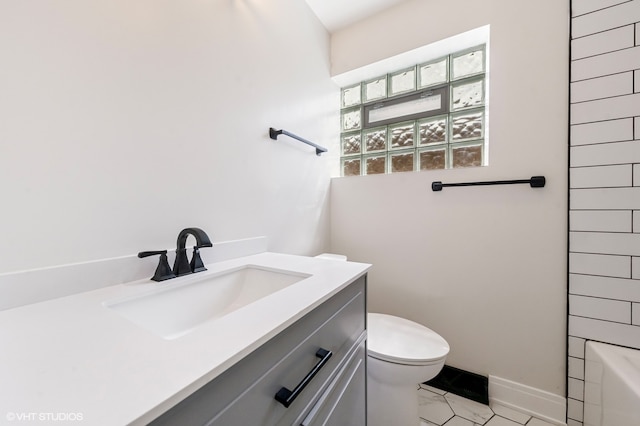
604 217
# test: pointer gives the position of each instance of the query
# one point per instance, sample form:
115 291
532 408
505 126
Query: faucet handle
163 271
197 265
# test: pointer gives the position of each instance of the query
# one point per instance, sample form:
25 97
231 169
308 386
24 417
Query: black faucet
181 266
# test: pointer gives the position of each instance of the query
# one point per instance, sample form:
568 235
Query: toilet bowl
401 354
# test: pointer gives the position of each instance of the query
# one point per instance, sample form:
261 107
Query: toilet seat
401 341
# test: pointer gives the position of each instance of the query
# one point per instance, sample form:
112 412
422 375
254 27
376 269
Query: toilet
401 354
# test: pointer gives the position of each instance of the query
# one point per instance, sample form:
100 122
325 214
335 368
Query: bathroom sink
192 300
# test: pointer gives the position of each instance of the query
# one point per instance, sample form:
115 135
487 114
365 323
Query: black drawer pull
286 397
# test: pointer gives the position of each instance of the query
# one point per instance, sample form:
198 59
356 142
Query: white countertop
74 358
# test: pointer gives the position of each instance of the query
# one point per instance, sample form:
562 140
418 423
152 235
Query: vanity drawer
343 402
245 394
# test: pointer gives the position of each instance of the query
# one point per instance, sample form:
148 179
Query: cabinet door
344 402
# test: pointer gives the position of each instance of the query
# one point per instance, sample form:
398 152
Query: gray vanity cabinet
335 395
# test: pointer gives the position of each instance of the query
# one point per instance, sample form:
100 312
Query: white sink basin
176 310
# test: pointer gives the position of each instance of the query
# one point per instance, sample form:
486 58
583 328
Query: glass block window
375 89
375 140
430 116
375 164
402 81
351 96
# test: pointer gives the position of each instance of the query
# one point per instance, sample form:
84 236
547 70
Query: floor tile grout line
529 420
472 421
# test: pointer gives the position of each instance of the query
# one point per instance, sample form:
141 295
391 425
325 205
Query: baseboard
544 405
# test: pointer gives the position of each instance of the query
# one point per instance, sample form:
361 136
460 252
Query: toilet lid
399 340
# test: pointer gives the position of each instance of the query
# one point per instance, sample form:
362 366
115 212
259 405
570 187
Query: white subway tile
576 347
637 34
605 243
604 309
636 314
635 268
636 128
575 409
576 389
606 19
602 131
605 154
605 331
607 287
602 87
636 81
601 176
576 368
605 198
606 64
600 264
580 7
636 175
606 109
636 221
600 220
608 41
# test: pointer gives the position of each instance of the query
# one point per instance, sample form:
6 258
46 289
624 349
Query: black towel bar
273 134
535 182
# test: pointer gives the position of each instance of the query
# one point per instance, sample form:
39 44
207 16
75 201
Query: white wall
604 245
123 122
483 266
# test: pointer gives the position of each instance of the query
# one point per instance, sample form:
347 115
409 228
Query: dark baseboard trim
463 383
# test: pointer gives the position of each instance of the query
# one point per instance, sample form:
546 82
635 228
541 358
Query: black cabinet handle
286 397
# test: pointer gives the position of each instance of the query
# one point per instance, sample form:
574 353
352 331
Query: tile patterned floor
440 408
